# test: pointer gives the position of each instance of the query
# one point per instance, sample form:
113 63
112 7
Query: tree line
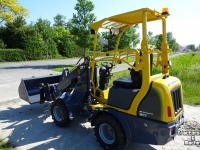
72 38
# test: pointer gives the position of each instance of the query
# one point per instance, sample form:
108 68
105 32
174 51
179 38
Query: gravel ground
31 127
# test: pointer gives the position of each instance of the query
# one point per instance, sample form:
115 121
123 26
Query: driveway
31 127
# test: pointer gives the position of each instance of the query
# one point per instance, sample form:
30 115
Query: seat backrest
136 76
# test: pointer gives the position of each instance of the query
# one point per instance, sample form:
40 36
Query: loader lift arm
48 88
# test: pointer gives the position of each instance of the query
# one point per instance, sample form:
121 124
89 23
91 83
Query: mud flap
29 87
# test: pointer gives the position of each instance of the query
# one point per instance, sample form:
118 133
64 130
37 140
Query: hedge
12 55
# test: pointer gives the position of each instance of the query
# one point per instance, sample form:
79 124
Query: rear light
169 113
170 131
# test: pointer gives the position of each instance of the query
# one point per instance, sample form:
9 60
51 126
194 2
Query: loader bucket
29 87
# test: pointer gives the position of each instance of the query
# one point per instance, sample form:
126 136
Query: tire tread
66 120
120 141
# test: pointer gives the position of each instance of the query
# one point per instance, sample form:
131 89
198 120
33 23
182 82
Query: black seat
135 81
123 83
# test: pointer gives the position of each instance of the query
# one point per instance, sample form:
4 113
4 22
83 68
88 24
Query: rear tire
60 114
109 133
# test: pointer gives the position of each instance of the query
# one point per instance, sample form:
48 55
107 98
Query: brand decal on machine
144 114
172 83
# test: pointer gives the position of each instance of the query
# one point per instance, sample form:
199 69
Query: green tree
69 25
13 33
158 41
33 45
10 9
170 39
191 46
59 20
43 27
151 39
17 35
80 23
109 41
130 39
64 40
18 22
2 44
100 44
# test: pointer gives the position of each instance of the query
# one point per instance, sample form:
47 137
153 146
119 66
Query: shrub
12 55
68 49
78 51
2 44
34 48
52 49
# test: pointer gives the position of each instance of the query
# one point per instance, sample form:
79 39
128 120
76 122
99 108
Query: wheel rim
106 133
57 113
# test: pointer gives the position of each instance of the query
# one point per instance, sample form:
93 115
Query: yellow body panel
166 85
96 106
163 87
103 97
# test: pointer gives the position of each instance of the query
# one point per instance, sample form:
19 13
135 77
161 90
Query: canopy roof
126 19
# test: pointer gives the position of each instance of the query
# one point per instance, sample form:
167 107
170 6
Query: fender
120 119
72 104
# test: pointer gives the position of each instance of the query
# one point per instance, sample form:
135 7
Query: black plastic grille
177 99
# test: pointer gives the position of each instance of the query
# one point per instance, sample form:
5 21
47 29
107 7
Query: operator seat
123 83
135 81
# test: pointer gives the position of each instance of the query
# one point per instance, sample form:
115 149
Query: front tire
59 113
109 133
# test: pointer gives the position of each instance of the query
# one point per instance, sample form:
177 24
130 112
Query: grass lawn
5 146
186 67
60 68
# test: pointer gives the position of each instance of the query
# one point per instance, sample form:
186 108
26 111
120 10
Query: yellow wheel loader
144 108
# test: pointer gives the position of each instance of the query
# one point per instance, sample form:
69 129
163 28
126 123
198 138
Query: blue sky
183 22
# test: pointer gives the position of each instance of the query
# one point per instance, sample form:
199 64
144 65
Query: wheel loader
144 108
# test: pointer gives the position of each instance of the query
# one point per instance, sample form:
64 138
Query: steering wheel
77 64
107 65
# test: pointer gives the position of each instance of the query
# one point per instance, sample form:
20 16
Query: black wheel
60 113
109 133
